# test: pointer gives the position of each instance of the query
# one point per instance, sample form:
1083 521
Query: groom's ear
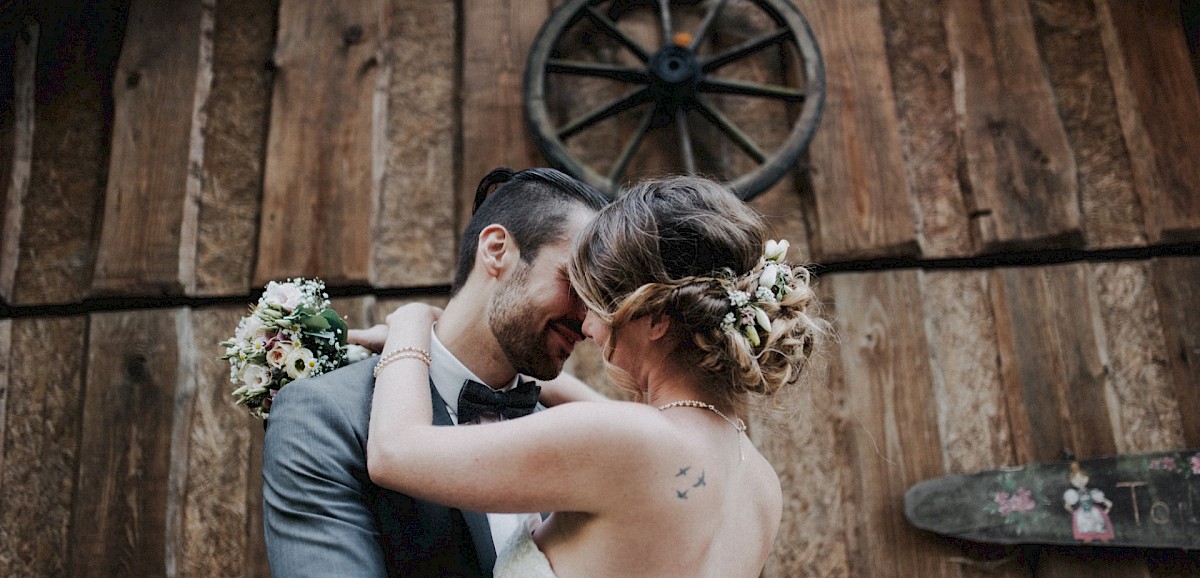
497 250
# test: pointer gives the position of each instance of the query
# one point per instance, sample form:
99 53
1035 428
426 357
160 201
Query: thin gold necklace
738 425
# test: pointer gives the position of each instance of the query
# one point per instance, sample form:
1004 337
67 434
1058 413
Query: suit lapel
477 523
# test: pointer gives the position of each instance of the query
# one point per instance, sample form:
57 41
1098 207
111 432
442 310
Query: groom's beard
514 319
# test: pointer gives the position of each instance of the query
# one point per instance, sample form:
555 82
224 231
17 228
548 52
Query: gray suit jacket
323 516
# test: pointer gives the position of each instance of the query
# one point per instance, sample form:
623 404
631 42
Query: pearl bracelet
402 353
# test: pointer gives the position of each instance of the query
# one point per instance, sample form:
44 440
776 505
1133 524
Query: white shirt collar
448 374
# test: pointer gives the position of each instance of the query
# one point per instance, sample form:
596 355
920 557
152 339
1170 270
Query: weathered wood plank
256 547
1075 63
41 446
1054 383
417 222
234 145
1140 390
1050 363
1177 285
920 65
893 431
962 336
858 176
1159 103
1020 169
123 505
807 446
215 541
148 238
69 155
322 179
5 365
16 144
496 38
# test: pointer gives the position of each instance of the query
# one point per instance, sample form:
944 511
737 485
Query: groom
511 312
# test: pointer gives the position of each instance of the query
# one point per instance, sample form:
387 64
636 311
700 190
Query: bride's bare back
704 511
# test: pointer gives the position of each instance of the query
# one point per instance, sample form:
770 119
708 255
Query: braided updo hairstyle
677 247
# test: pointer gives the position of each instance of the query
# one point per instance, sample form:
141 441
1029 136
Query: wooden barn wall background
1005 197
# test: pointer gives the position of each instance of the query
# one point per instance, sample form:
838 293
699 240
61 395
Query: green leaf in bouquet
337 324
315 324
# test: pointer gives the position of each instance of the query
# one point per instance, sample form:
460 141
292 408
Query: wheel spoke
727 86
623 103
735 134
706 24
581 68
746 48
664 12
618 169
612 29
685 141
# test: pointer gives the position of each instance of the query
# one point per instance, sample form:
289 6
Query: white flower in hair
746 316
775 250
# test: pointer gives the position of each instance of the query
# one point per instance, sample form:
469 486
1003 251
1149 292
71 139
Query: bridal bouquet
290 334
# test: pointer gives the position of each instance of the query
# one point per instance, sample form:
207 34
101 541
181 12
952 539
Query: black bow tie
476 399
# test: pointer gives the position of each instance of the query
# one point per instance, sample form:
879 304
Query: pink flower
1196 464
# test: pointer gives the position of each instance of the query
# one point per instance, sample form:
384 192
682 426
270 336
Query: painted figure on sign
1089 508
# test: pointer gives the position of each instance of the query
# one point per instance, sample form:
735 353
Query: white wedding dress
520 557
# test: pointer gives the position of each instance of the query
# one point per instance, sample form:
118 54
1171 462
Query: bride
696 318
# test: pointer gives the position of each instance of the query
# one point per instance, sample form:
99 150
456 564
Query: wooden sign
1147 500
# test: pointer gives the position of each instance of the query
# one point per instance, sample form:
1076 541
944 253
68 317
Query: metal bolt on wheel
730 89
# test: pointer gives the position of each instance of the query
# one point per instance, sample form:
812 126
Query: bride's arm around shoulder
566 458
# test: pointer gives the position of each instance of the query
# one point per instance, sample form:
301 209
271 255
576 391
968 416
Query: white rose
256 376
278 354
285 295
300 363
250 327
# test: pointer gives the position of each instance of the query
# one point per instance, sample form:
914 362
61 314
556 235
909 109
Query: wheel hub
674 71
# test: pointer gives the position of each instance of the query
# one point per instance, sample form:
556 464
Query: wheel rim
677 89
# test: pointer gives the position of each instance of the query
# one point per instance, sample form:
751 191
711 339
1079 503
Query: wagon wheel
689 72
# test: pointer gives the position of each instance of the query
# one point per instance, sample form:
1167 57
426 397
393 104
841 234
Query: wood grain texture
41 447
496 38
126 456
234 146
16 146
1054 376
322 180
969 394
1141 393
858 174
894 440
920 65
219 438
1159 102
1074 58
1056 383
807 445
5 365
148 237
1177 285
77 52
1020 171
417 225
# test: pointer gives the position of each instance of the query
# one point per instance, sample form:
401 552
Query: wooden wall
1004 197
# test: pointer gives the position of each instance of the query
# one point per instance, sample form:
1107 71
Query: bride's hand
413 316
372 338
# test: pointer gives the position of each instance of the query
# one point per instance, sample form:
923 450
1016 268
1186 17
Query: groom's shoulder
348 386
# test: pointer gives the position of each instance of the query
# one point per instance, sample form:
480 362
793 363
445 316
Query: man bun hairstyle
533 205
689 249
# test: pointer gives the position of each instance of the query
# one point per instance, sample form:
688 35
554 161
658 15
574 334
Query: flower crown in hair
746 315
